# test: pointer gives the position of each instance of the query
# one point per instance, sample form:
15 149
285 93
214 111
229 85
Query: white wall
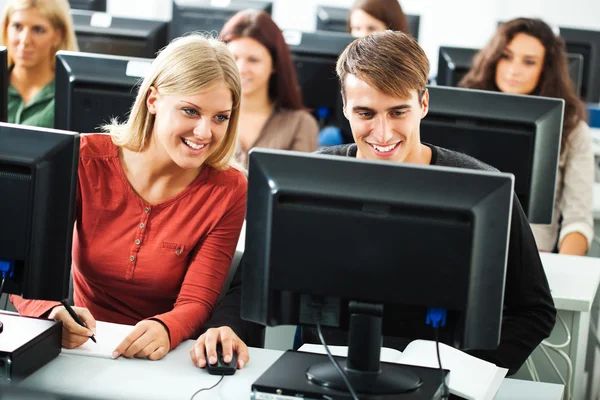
443 22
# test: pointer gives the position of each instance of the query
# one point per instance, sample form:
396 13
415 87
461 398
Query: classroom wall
442 22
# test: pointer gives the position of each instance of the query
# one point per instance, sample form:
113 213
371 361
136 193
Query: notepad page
387 354
470 377
108 337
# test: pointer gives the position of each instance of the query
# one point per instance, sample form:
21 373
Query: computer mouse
221 367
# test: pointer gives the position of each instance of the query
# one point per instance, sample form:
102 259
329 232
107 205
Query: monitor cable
436 317
317 316
209 388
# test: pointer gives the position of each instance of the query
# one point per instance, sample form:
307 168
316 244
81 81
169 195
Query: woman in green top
33 31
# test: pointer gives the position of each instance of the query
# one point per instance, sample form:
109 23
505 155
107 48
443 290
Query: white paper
387 354
101 20
108 337
470 377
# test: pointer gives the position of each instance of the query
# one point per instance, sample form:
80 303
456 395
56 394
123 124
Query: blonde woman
33 31
159 206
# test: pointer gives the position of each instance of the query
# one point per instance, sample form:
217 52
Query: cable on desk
207 389
317 307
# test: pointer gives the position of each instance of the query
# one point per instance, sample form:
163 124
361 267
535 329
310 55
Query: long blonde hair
189 64
57 12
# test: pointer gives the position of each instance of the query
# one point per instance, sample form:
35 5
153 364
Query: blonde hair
189 64
57 12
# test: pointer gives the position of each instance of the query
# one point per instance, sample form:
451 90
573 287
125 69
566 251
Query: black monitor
453 64
335 19
91 5
93 88
105 34
197 17
519 134
38 179
362 237
315 55
586 43
3 84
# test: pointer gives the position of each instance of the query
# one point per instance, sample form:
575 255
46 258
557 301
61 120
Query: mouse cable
207 389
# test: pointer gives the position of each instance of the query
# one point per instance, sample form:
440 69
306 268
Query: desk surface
573 280
175 377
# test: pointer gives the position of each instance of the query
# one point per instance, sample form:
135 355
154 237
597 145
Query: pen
75 317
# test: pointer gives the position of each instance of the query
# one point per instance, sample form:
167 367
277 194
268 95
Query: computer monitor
38 179
315 55
91 89
586 43
362 237
91 5
519 134
193 17
453 64
335 19
105 34
3 84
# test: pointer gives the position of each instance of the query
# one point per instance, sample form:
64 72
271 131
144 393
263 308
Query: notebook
108 337
470 377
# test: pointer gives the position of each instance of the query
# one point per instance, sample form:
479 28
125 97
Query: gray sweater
529 313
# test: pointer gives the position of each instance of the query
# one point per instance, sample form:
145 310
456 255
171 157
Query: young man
384 79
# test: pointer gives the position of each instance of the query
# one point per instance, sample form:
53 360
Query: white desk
573 282
175 377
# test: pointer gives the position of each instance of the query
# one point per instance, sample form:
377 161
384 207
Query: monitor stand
362 367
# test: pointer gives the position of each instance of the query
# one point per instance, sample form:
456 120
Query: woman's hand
73 334
149 339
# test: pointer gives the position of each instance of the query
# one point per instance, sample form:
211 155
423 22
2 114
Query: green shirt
39 111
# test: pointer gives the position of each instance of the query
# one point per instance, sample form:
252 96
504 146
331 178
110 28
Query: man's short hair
390 61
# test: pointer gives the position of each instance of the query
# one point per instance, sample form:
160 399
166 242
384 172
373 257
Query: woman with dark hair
369 16
526 57
272 114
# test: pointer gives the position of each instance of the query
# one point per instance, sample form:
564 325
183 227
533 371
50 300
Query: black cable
2 285
335 363
5 301
446 394
207 389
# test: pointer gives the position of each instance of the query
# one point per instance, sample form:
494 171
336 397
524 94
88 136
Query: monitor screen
390 235
190 17
91 5
315 55
453 64
586 43
38 177
3 84
91 89
335 19
119 36
514 133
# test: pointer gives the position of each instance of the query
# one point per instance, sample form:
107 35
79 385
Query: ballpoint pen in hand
74 315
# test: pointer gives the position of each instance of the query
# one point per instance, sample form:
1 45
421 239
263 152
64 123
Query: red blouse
133 260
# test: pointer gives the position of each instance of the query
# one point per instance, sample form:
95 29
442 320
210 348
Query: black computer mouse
221 367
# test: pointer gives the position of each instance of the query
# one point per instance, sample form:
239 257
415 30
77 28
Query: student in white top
526 57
